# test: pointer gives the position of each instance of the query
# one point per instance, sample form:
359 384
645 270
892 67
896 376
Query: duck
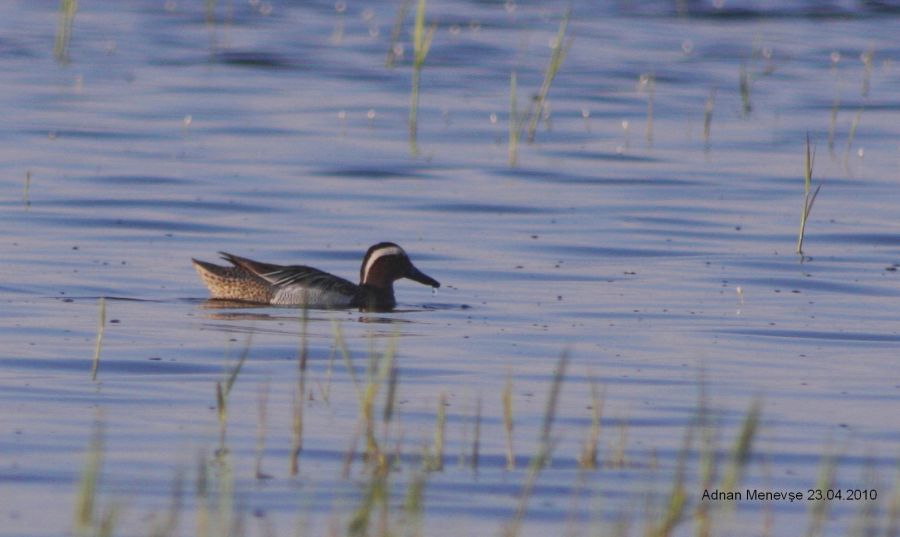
252 281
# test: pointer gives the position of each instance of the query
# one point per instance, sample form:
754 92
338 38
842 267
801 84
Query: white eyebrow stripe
378 254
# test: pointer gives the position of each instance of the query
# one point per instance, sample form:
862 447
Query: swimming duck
296 285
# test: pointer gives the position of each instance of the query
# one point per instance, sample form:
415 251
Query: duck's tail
233 283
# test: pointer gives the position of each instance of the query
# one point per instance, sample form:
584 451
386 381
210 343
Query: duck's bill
417 275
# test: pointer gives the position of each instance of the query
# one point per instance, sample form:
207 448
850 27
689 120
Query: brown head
386 263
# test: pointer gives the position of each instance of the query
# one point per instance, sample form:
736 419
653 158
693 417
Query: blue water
661 259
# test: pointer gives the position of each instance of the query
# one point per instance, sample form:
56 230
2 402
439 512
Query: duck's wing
294 276
253 267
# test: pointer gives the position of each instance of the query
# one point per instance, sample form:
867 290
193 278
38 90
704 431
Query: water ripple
109 224
859 337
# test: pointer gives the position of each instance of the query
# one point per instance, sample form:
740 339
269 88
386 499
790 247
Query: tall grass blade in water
866 57
892 526
396 51
67 9
677 500
167 525
262 404
377 493
514 124
560 47
380 369
227 519
95 364
648 82
414 504
25 189
544 450
740 452
744 87
851 136
707 118
223 389
508 423
707 461
209 11
832 122
299 397
818 509
341 345
476 441
201 497
85 503
87 522
434 461
421 44
337 35
588 457
808 197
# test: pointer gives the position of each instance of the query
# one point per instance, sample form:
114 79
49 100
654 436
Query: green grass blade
556 58
101 325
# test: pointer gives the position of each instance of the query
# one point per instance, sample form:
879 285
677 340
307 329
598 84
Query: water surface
662 260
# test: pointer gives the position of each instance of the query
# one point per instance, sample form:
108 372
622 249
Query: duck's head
385 263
